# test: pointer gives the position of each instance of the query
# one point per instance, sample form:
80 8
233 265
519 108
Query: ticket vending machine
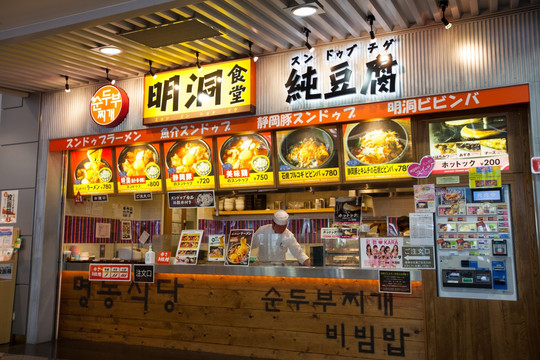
475 252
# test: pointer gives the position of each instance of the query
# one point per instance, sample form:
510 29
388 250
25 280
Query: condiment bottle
150 256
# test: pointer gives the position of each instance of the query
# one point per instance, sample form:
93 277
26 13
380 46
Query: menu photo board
92 171
138 168
189 164
380 149
188 247
458 145
308 155
245 160
239 247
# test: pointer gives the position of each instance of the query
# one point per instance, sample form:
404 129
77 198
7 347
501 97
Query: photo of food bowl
239 151
92 172
377 142
190 156
238 253
306 148
139 160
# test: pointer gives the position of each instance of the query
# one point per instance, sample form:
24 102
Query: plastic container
150 256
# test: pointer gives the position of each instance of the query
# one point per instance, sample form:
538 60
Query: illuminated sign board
109 106
221 89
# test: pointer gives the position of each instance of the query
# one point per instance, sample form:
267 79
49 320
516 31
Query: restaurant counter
252 270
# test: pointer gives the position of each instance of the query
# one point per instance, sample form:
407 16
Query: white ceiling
43 41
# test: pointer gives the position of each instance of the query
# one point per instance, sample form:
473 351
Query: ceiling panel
36 55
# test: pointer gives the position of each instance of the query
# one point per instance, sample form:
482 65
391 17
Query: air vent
175 33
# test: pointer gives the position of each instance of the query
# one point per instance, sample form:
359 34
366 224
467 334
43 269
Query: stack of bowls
228 205
260 202
239 203
249 202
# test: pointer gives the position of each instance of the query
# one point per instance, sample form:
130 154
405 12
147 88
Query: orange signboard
109 106
139 168
386 109
91 171
189 164
245 160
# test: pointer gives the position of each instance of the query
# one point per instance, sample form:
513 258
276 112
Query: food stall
193 198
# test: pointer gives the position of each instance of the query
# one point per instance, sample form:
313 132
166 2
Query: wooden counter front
264 317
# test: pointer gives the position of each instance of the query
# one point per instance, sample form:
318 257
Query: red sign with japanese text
386 109
139 168
163 257
245 160
109 272
109 106
92 171
189 164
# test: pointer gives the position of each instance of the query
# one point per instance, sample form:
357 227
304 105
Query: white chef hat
281 217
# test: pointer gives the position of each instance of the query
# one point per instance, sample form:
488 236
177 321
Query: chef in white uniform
273 241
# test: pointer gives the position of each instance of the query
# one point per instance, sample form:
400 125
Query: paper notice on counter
424 198
422 229
144 237
216 247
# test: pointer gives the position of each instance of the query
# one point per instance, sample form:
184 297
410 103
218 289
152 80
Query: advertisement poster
380 149
216 247
424 198
485 177
192 199
92 171
6 243
381 252
307 155
245 160
189 164
126 230
188 247
458 145
239 247
348 211
9 206
138 168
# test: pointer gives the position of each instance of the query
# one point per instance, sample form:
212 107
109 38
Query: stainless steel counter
286 271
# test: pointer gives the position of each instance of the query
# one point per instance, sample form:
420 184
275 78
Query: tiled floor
87 350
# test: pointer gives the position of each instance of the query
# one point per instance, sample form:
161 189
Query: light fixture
371 19
108 50
67 89
150 69
309 7
447 24
308 45
199 66
108 78
254 57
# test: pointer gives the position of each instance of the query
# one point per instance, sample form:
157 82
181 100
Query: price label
309 176
386 171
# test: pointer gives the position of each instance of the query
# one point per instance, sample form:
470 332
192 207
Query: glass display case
341 252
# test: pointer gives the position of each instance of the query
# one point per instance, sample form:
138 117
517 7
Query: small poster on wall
216 247
188 247
9 206
348 211
381 252
126 230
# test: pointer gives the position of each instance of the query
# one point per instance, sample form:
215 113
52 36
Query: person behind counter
274 239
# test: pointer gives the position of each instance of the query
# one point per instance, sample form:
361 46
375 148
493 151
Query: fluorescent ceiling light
304 10
108 50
